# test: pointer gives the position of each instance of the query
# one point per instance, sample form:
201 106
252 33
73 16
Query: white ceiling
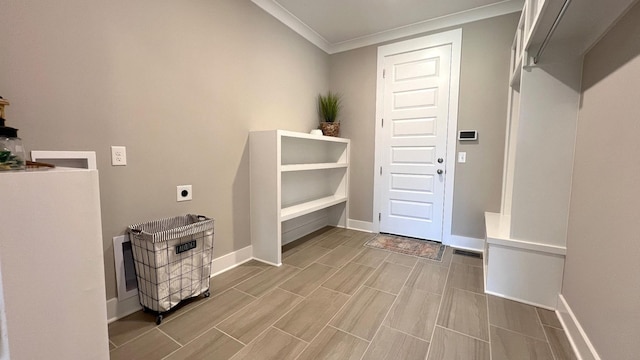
340 25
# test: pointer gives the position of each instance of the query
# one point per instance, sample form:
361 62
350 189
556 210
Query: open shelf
307 167
294 211
305 149
299 184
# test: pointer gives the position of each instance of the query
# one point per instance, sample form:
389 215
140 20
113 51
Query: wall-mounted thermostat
465 135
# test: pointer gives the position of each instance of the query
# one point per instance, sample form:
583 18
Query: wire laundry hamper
172 259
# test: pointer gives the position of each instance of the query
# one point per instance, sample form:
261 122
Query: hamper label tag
185 247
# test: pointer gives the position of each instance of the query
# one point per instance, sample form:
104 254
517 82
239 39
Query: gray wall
601 273
482 106
180 83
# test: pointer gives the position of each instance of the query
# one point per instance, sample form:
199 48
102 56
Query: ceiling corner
280 13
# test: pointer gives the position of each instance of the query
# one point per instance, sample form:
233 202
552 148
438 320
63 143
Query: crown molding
484 12
277 11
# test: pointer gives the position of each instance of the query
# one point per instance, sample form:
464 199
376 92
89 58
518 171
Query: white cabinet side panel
265 196
528 276
544 159
52 265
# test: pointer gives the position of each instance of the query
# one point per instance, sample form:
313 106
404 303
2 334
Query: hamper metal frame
172 260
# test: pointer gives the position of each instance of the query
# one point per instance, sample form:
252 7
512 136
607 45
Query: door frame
453 38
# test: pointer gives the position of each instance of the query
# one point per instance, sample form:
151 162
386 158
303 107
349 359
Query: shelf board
299 135
305 167
294 211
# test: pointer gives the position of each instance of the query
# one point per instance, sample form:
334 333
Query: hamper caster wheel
207 293
145 309
159 319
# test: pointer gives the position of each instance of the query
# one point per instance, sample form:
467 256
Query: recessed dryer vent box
466 135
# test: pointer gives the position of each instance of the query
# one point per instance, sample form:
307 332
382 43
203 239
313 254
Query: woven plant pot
330 128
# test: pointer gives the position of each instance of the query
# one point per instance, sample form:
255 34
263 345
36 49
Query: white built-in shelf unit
299 184
525 246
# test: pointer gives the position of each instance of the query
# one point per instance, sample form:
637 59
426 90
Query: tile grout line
286 333
545 335
246 293
167 335
461 333
338 312
291 292
405 333
249 278
441 301
199 336
383 291
174 340
276 286
354 335
519 333
114 345
390 307
346 262
214 326
227 334
301 299
138 336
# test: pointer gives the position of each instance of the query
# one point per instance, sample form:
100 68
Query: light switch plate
462 157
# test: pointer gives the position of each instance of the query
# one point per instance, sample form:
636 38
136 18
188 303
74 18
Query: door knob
440 160
439 171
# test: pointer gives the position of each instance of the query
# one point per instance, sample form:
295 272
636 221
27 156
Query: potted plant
329 107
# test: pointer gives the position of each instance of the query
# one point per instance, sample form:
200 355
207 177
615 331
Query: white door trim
453 37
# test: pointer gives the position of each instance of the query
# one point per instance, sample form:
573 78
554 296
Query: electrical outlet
184 193
462 157
118 155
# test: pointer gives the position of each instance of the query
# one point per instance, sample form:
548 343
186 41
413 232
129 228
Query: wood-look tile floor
334 298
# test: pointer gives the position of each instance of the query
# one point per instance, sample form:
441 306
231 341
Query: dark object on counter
37 164
8 132
2 120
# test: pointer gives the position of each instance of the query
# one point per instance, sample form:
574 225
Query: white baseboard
466 243
231 260
514 298
296 228
577 337
119 309
359 225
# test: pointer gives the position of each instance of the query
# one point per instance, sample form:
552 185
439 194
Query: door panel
415 112
414 127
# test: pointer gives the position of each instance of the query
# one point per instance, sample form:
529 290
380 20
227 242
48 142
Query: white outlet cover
462 157
184 197
118 155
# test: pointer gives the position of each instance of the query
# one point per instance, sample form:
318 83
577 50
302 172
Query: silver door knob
439 171
440 160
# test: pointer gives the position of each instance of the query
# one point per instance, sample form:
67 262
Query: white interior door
414 142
